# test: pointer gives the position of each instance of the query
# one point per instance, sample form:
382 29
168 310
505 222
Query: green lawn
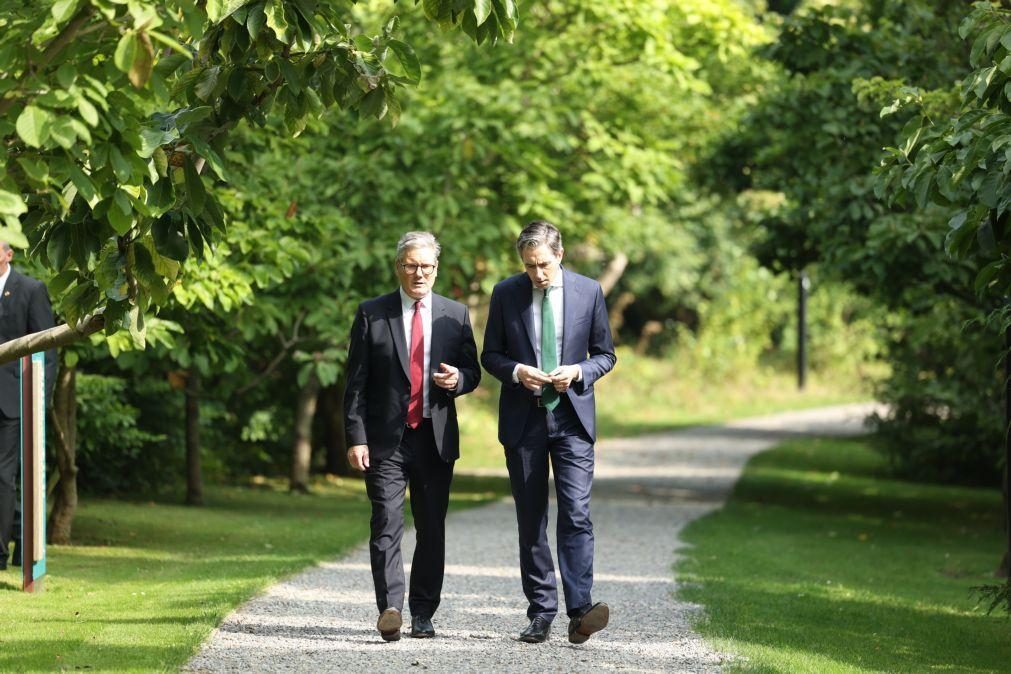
645 394
819 562
146 582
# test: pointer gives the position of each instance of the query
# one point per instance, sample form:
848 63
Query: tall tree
111 111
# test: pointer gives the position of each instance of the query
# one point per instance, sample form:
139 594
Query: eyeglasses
426 269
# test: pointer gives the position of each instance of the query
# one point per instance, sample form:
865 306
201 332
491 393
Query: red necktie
417 369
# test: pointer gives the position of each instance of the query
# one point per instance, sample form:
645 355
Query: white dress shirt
536 305
3 280
557 308
407 304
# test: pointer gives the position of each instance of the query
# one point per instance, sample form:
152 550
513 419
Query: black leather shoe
16 557
591 621
422 627
389 624
537 632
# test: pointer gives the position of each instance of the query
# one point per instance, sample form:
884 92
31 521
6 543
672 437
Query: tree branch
52 338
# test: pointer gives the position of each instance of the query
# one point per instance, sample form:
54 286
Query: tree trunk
64 419
194 479
649 330
616 313
612 273
332 402
301 454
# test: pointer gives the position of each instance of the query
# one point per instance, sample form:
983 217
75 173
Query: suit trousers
416 463
556 436
10 443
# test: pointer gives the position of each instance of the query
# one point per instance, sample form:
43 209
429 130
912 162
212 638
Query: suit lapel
395 317
524 301
438 338
570 298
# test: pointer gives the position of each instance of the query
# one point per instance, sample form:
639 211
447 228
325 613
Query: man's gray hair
6 246
413 240
540 233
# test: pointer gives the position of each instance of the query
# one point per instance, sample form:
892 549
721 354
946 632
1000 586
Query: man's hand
532 378
358 457
448 377
562 376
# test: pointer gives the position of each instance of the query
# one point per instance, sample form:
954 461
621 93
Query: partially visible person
548 341
24 309
411 354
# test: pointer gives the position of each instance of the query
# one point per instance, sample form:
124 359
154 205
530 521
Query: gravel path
646 489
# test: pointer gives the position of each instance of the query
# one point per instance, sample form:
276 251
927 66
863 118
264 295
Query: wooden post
33 472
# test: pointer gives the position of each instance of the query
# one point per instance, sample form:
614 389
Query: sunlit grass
645 394
145 583
821 563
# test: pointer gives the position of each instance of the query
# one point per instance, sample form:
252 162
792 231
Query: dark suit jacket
509 339
24 309
378 375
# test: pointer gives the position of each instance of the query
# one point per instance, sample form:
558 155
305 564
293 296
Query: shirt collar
556 282
407 302
5 276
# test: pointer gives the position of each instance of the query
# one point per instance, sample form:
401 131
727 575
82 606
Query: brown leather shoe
593 620
389 624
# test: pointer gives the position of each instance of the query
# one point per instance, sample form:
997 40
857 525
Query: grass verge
645 394
147 582
820 562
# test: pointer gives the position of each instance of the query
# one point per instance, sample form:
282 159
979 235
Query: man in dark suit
548 341
411 353
24 309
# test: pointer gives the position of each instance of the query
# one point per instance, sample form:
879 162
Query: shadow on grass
866 634
62 655
819 560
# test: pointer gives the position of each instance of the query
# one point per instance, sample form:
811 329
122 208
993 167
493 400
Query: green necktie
549 350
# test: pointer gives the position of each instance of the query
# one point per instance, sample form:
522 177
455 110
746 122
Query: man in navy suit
548 341
24 309
411 354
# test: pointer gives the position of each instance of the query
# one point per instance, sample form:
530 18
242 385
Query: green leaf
63 10
437 10
990 189
88 111
171 43
120 166
374 104
195 193
58 284
14 237
33 125
58 249
169 239
37 171
62 131
65 75
11 204
83 183
482 9
205 89
120 214
987 274
126 52
275 20
408 59
256 20
218 10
